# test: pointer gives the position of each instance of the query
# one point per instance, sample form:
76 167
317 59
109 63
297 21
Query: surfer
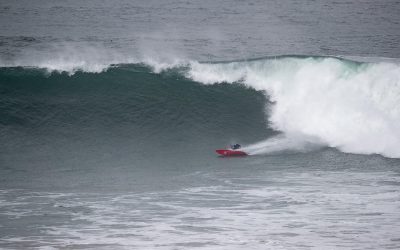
235 146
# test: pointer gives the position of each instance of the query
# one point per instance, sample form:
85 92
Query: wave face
310 102
352 106
121 115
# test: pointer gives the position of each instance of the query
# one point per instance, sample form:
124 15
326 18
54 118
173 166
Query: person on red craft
235 146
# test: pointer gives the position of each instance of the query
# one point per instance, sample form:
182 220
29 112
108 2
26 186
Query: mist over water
111 112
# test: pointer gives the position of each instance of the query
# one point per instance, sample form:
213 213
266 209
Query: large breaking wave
352 106
312 101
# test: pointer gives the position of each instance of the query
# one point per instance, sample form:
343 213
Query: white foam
283 143
353 107
317 209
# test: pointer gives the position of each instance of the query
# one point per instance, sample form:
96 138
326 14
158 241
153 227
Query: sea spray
64 57
283 143
352 106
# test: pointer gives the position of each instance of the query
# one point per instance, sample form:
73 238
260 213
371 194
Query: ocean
111 112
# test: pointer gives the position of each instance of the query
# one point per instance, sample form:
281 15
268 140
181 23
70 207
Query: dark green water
126 117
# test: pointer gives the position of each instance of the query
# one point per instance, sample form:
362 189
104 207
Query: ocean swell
312 101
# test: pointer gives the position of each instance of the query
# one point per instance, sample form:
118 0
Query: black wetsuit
236 146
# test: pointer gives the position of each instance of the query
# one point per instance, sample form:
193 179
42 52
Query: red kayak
230 152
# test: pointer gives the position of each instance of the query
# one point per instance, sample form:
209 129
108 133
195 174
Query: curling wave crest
352 106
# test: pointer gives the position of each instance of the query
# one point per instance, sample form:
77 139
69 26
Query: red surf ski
229 152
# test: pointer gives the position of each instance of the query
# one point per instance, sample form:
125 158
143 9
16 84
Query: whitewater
352 106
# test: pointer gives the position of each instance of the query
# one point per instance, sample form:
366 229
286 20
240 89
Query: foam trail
283 143
354 107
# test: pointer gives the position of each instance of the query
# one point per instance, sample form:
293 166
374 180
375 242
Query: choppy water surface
262 206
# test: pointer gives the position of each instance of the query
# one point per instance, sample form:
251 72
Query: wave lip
352 106
64 57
